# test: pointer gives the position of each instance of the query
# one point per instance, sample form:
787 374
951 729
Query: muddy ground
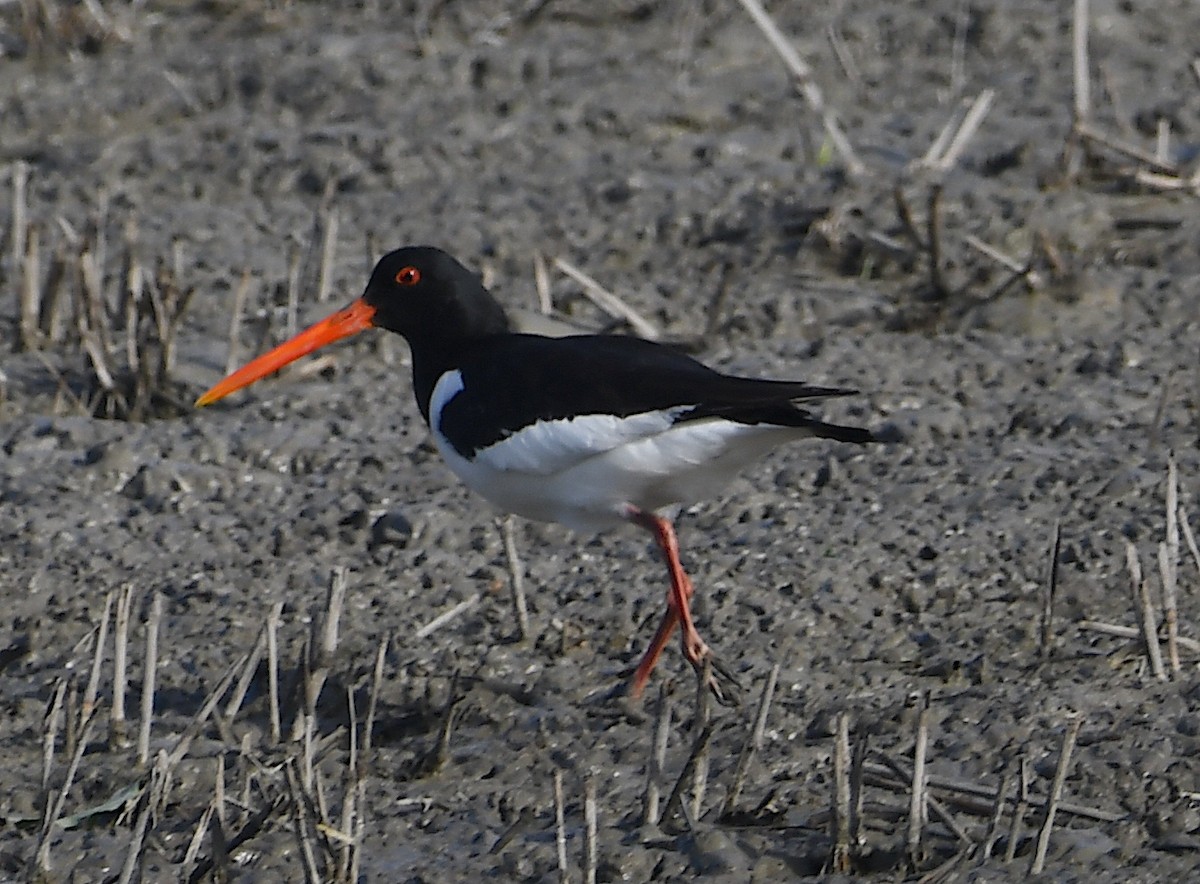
663 149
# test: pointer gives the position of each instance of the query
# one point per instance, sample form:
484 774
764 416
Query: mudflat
1005 268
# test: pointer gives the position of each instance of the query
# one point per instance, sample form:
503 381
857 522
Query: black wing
530 378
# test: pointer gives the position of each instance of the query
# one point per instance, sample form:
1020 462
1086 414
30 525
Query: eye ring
408 275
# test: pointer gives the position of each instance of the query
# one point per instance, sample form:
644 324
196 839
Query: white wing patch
550 447
447 387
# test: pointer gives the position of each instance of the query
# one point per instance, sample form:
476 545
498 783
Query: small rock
392 528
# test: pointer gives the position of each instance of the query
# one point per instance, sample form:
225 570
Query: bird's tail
839 433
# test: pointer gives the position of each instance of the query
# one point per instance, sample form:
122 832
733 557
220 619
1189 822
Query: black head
419 292
424 294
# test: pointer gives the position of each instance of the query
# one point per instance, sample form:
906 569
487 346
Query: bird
591 431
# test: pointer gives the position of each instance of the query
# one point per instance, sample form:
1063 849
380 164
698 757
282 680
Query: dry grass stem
438 755
149 677
845 58
117 726
973 798
1189 536
702 719
591 850
241 294
272 627
841 859
1160 408
993 829
31 290
1188 644
50 727
197 841
133 856
303 733
1166 570
1160 181
858 764
699 747
753 742
446 616
1079 57
302 825
1060 777
1091 134
54 807
93 683
937 148
560 828
658 757
918 804
1145 611
74 721
219 790
315 789
1173 508
293 292
610 303
326 646
373 699
243 684
134 290
541 284
804 80
353 874
1162 140
958 48
329 235
1003 259
1050 590
1024 772
350 795
966 131
20 206
516 575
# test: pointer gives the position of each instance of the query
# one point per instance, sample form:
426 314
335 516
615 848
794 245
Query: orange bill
355 318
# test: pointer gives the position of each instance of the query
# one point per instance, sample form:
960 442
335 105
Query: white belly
586 472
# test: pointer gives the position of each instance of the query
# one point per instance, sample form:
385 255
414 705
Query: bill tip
207 398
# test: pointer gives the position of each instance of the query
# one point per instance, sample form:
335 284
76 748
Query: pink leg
642 675
678 607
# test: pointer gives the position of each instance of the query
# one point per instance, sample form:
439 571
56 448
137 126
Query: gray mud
662 149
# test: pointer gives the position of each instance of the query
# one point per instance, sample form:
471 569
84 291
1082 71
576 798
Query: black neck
432 359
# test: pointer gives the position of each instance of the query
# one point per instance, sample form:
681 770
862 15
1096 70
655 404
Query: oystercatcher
590 431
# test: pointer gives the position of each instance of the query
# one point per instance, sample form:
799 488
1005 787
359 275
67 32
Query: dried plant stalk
148 679
918 803
841 796
1060 776
658 755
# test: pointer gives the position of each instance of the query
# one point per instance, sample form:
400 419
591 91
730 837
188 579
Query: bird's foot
718 678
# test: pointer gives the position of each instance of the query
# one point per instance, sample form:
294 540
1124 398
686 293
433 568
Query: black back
530 378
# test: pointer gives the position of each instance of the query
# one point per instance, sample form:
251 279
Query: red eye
408 275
